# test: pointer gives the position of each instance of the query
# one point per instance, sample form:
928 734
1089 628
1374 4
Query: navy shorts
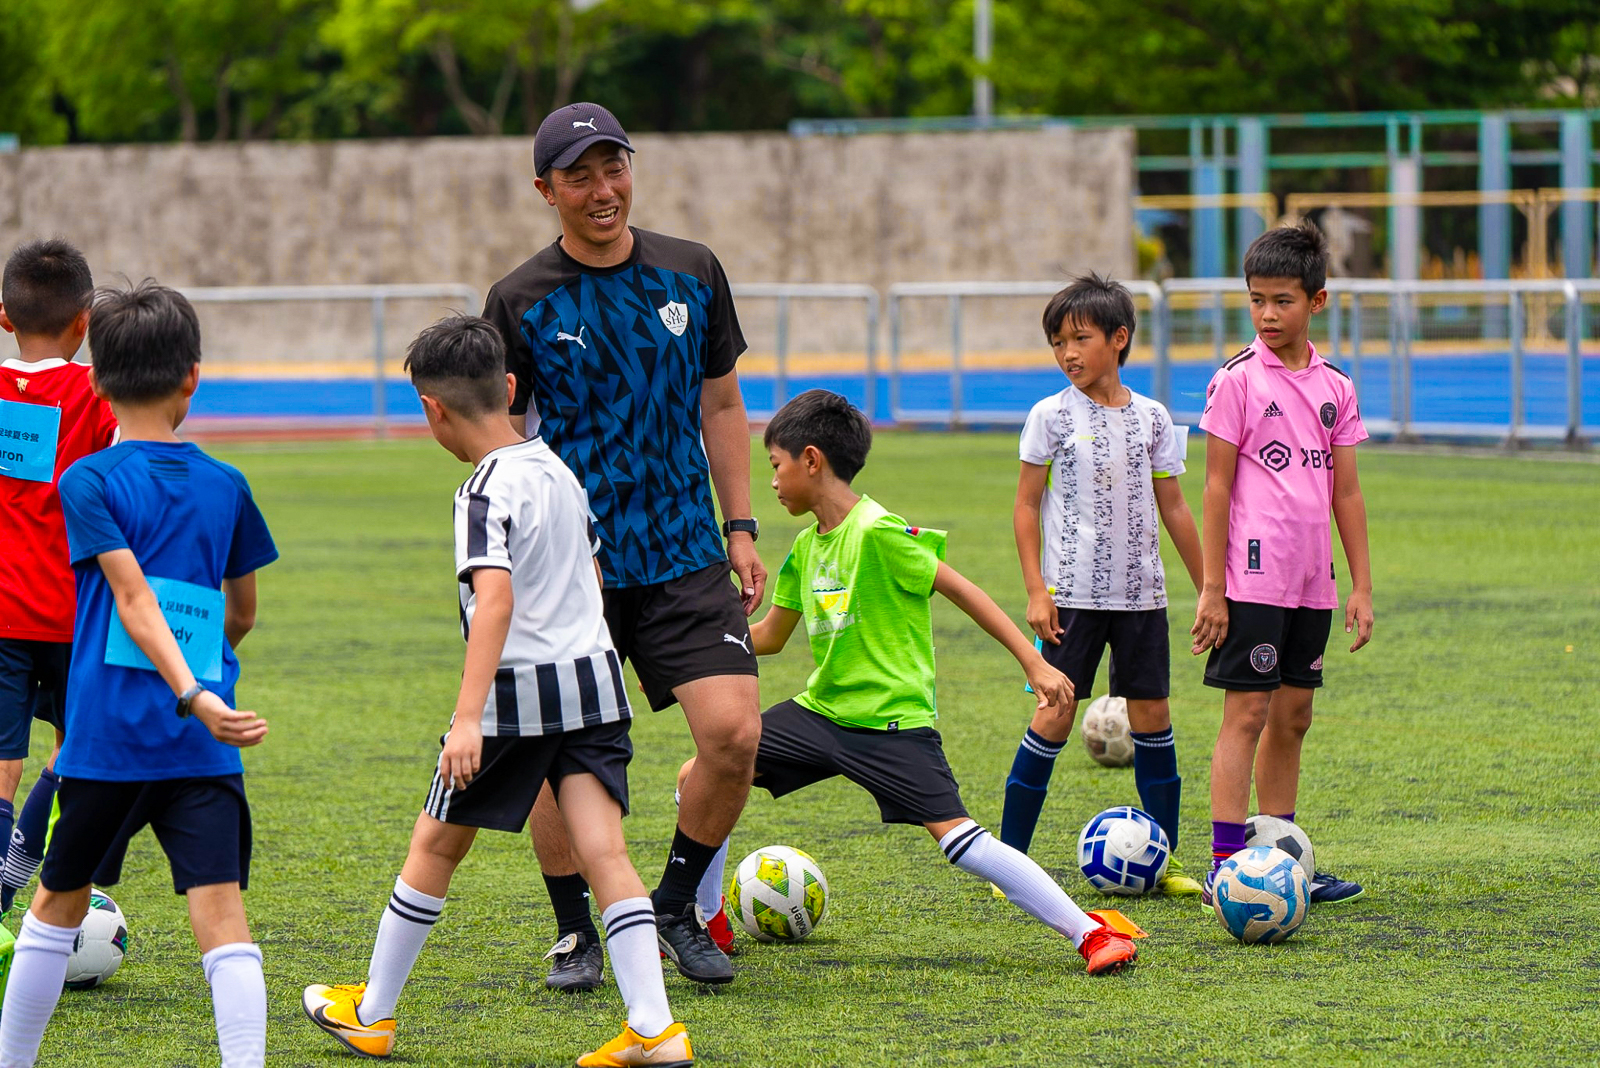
33 685
687 628
1268 646
512 770
203 826
905 771
1141 657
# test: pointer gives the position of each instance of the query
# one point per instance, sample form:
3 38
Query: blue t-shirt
185 516
609 364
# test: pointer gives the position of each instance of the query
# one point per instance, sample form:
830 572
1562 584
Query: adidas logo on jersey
1273 411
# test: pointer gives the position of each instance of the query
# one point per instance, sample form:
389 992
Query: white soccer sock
405 925
973 849
37 971
636 962
708 895
239 1003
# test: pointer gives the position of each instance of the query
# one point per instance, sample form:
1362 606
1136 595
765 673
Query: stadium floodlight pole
982 48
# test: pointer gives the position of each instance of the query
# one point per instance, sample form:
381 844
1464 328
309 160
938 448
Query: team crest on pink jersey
1263 658
1329 413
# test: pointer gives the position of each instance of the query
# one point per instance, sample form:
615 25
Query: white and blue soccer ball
101 944
1123 851
1261 894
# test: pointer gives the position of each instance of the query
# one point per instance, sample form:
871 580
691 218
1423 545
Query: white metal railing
1344 315
376 295
786 292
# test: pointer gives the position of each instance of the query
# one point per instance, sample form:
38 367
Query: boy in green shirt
861 578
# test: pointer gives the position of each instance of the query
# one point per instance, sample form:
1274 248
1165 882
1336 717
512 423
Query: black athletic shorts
513 769
33 685
203 826
687 628
1268 646
904 770
1141 659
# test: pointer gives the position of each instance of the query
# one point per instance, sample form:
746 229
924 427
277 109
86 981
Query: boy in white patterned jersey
1099 464
541 699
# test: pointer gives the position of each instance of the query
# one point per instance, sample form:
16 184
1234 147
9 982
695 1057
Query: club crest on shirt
1329 413
22 385
675 316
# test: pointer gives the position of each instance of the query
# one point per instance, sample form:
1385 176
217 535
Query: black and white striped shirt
524 512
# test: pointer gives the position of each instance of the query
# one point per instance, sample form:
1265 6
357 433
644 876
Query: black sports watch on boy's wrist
749 526
186 699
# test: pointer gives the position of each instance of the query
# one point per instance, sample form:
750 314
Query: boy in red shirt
49 419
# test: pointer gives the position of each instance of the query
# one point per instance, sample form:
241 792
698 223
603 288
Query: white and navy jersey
1101 545
523 511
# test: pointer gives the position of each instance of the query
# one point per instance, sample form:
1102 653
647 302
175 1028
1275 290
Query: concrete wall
876 209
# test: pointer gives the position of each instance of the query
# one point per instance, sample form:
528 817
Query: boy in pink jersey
1282 426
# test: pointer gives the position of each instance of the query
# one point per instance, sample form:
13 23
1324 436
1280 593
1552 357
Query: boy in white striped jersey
541 700
1100 464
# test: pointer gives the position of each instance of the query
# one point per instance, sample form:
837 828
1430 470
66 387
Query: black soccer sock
569 895
686 864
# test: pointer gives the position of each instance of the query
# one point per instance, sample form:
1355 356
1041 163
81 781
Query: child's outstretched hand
1358 617
1043 617
230 726
1052 688
1210 622
463 752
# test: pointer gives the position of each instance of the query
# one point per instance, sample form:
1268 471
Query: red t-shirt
37 593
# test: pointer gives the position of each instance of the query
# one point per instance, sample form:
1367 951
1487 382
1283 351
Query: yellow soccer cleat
997 892
333 1008
669 1049
1174 883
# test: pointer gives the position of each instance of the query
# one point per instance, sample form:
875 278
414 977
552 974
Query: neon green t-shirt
863 589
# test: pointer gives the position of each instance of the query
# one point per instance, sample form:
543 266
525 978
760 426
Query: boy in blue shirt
151 727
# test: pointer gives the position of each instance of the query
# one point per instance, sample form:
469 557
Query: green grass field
1451 770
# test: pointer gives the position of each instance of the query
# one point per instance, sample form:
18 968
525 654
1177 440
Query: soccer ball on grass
1261 894
101 944
1105 732
778 894
1123 851
1281 834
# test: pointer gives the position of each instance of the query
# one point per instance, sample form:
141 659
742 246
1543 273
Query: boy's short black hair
47 284
839 430
145 339
1092 300
1299 251
460 361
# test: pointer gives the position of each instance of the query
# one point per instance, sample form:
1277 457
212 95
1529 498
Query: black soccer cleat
687 942
579 965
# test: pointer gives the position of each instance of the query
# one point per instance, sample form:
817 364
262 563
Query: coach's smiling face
592 197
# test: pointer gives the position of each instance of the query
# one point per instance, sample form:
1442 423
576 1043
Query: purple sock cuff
1226 838
1289 817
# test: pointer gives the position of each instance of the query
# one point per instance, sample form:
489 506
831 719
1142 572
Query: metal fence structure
1510 360
1515 360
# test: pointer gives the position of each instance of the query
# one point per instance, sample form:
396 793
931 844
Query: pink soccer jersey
1285 424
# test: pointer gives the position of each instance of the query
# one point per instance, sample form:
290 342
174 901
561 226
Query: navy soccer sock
1026 788
8 816
569 896
686 864
1155 773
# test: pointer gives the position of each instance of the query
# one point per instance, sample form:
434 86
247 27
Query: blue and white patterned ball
1261 895
1124 851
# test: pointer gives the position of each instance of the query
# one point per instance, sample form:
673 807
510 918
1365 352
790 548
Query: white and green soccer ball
778 894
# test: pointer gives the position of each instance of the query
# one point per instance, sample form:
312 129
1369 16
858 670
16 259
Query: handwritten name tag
195 615
28 440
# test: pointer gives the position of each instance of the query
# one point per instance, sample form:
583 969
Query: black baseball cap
566 133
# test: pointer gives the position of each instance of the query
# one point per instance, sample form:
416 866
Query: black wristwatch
748 526
186 699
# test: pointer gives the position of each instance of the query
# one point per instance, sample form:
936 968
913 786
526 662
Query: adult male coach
623 344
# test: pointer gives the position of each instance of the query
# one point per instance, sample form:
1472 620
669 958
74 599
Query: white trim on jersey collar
15 364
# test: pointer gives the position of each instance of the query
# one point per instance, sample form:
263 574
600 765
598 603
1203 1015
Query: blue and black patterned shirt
609 362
